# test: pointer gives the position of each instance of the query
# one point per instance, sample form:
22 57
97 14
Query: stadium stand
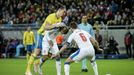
111 12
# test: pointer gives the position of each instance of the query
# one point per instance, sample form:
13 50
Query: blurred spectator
11 47
22 10
3 48
97 25
112 45
98 37
1 38
19 48
117 17
128 42
133 44
1 44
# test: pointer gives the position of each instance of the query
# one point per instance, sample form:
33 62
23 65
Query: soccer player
87 27
28 41
85 43
49 47
53 20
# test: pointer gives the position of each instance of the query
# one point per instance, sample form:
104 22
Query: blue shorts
29 48
38 43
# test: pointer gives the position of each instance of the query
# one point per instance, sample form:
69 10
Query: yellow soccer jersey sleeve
52 19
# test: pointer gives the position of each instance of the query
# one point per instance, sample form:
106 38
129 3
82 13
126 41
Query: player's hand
53 56
101 50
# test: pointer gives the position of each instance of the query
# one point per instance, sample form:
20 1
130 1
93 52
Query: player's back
81 37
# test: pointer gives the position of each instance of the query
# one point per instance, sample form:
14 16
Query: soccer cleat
37 69
84 70
40 70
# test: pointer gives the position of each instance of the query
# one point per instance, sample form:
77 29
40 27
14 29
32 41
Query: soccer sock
30 62
27 56
94 65
40 61
84 66
58 66
67 68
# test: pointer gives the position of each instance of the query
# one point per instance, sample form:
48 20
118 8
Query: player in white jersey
86 50
49 47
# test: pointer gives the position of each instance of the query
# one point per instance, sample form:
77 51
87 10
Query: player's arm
64 47
50 26
95 44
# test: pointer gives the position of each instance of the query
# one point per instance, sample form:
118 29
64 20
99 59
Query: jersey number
83 37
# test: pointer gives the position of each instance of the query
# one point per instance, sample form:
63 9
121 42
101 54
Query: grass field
114 67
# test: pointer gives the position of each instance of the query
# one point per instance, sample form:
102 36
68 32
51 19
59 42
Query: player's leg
39 62
31 60
84 66
94 65
28 52
55 50
35 53
73 57
67 66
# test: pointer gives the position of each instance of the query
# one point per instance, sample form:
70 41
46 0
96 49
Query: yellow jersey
51 19
28 38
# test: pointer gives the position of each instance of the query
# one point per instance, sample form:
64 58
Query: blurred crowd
108 12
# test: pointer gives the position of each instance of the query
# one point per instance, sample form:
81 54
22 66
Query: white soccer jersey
49 35
81 38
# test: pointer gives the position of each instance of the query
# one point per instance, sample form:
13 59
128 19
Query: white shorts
46 48
81 54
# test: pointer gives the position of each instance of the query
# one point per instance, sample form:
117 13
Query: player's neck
85 23
57 16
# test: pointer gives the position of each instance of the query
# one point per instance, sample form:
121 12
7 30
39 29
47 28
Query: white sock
84 66
94 65
58 67
66 69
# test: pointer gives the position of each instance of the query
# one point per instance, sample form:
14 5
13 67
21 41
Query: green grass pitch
114 67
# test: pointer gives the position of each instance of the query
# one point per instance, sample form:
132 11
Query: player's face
84 19
62 12
64 30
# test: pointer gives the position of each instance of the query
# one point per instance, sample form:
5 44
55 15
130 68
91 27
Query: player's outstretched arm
95 44
61 50
48 26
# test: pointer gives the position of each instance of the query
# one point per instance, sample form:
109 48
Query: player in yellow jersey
28 41
53 20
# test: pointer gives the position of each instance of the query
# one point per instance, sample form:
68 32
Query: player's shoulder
31 32
51 15
25 32
85 32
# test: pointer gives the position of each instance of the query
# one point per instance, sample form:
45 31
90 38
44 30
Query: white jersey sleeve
70 38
